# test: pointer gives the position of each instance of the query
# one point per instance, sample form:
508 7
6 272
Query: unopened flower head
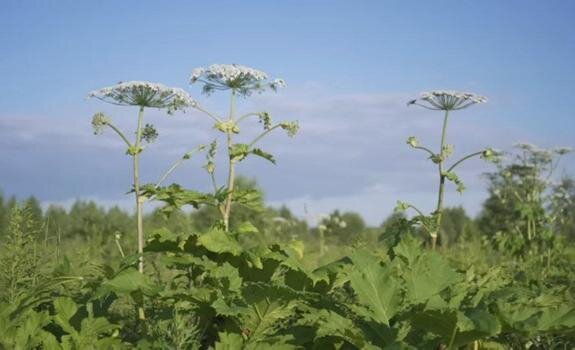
244 80
99 122
265 119
412 141
447 100
145 94
491 155
149 133
290 127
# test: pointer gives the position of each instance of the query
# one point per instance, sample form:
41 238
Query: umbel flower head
145 94
447 100
99 122
242 79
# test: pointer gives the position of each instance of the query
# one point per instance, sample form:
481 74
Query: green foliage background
68 279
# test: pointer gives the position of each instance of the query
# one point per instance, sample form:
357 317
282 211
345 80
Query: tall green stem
231 167
439 209
139 199
464 159
321 243
263 134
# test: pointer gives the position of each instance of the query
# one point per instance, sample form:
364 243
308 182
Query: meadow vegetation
222 270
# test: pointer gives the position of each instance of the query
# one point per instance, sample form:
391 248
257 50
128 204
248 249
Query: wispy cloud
350 153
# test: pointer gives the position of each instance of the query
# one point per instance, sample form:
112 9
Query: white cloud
350 153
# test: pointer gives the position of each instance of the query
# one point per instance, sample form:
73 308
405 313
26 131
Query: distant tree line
511 208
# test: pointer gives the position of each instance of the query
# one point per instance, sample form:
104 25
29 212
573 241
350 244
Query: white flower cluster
278 83
447 100
228 73
145 94
526 146
535 153
536 150
242 79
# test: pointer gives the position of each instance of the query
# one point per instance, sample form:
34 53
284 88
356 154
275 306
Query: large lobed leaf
377 290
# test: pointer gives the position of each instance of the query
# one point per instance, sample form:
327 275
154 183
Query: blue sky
350 68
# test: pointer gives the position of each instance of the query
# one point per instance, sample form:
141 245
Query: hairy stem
214 183
120 247
251 114
211 115
422 223
452 339
120 133
439 209
231 167
177 164
464 159
139 200
262 135
321 243
431 154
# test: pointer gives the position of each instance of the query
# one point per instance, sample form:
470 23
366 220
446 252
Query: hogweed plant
446 101
524 200
143 95
239 81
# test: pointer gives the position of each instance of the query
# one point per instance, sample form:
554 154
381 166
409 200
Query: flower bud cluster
265 119
149 133
290 127
227 126
99 122
491 155
412 141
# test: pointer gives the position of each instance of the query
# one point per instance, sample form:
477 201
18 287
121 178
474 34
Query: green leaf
230 277
559 318
239 151
65 307
229 341
219 241
330 324
247 227
298 247
428 275
334 274
254 260
130 280
464 329
97 325
269 306
251 198
176 197
440 322
481 325
377 290
183 261
162 240
224 308
409 248
258 152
